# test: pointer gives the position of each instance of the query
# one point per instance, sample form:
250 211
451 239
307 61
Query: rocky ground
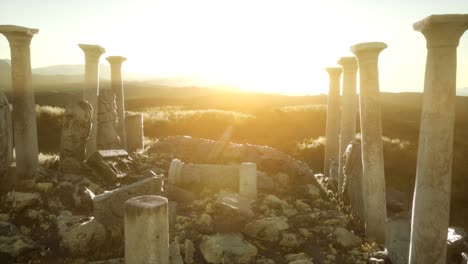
49 219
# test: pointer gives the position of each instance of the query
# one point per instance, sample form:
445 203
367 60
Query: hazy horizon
266 46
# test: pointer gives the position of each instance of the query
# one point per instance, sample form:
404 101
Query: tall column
348 110
146 230
91 89
332 146
24 112
117 85
431 203
373 176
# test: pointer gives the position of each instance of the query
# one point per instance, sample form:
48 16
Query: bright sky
277 46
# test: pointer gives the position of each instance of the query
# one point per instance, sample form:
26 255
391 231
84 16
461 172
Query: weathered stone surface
111 164
267 229
268 160
231 212
109 206
431 203
373 173
76 129
80 235
6 136
135 132
174 253
189 251
107 135
205 223
352 180
332 145
299 258
110 261
12 242
18 201
227 248
345 238
117 87
398 237
290 240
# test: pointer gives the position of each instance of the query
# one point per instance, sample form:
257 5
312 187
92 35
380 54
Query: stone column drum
135 132
373 176
332 146
24 112
146 230
91 89
431 203
117 85
348 111
248 180
6 137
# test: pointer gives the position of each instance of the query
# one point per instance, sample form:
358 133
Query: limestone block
112 165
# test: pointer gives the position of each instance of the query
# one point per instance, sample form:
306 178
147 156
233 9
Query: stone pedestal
248 181
431 204
348 110
117 86
146 230
91 89
373 175
332 146
24 113
135 132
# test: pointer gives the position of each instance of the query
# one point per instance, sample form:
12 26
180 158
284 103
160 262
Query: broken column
107 135
373 175
117 86
348 110
24 113
146 230
332 145
241 177
6 136
431 204
91 89
248 180
135 132
76 128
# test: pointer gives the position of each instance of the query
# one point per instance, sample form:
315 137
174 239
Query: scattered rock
17 201
231 213
267 229
290 240
312 192
205 223
174 252
345 238
227 249
12 242
189 251
80 235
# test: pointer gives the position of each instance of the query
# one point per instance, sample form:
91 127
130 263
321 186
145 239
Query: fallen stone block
109 206
112 165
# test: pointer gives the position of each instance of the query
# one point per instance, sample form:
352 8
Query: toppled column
248 180
76 128
241 177
146 230
348 110
24 112
91 89
135 132
431 204
332 145
117 86
373 175
107 136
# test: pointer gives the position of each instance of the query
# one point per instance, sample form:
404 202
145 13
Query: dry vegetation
295 125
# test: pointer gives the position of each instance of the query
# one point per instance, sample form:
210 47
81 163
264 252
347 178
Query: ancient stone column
6 136
107 134
117 85
135 132
91 89
431 204
248 180
146 230
332 145
373 176
24 113
348 110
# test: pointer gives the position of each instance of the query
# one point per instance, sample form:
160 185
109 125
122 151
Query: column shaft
371 139
332 145
348 111
431 204
24 112
248 180
117 86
